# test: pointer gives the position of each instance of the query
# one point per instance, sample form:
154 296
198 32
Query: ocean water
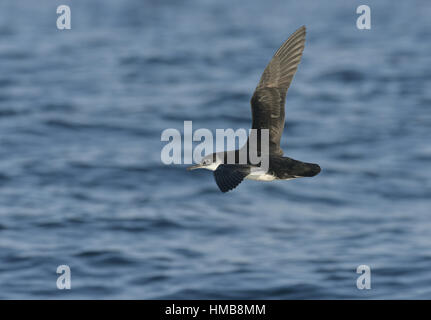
82 183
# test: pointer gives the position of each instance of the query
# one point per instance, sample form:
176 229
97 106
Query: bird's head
209 162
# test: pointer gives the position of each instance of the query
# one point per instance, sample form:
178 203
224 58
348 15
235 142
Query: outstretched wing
228 176
267 103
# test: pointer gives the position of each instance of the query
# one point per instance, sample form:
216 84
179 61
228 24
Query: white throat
213 166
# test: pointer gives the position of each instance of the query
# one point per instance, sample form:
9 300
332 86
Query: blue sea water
82 183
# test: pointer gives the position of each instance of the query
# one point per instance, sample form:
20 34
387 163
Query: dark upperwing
267 103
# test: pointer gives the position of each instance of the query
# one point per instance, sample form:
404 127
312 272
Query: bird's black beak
197 166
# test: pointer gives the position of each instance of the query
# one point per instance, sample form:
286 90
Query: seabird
267 108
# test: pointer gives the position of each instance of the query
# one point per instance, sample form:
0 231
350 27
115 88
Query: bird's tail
289 167
310 170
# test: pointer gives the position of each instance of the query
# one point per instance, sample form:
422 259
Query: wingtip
302 28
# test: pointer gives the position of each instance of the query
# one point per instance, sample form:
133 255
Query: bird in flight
267 108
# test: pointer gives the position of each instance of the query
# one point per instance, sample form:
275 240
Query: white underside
265 177
260 175
256 173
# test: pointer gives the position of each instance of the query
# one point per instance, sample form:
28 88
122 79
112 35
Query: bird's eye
206 162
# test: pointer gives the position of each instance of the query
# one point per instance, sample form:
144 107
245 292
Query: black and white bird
267 107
